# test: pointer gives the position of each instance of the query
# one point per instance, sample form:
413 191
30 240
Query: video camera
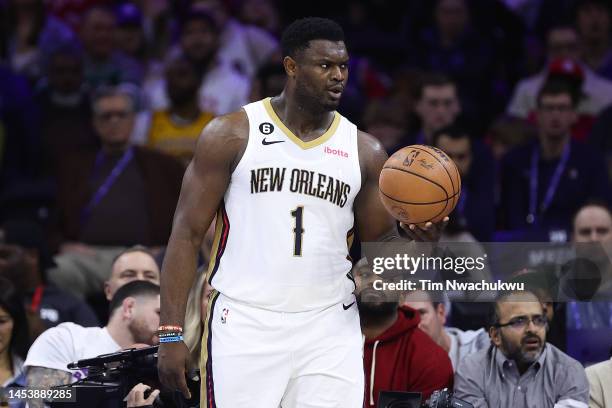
111 377
438 399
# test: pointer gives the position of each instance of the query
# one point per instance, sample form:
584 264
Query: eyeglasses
559 108
119 114
521 322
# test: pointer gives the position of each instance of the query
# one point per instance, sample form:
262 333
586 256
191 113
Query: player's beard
516 352
141 333
374 309
312 101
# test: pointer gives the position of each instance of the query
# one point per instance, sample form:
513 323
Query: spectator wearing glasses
116 197
521 369
544 183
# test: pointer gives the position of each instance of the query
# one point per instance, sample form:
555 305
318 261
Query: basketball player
287 176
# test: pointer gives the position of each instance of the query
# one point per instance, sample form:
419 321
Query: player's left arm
373 221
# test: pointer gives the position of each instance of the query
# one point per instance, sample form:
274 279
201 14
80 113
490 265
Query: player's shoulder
224 138
369 145
231 124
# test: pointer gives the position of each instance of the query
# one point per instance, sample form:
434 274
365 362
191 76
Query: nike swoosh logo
265 142
345 307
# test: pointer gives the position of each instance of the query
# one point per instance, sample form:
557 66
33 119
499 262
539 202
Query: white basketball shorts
256 358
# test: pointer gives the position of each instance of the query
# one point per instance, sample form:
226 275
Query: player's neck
551 149
114 149
427 135
188 111
445 341
6 366
5 360
120 334
299 118
374 326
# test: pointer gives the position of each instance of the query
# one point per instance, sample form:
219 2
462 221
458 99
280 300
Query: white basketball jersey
281 239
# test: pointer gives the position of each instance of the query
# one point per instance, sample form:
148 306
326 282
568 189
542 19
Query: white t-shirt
246 47
223 90
69 342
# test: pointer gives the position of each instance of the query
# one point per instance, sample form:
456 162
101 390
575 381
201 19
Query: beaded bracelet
168 334
173 339
170 328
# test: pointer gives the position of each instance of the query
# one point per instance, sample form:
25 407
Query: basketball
419 184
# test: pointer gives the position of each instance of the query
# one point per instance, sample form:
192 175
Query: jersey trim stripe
222 228
304 145
207 388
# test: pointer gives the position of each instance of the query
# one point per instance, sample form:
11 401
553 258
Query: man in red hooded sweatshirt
398 356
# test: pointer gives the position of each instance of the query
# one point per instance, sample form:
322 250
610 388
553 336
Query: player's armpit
41 377
373 221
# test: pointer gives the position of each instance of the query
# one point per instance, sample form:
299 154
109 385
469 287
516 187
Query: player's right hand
172 365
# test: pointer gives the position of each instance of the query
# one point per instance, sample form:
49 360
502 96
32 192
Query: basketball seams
424 221
439 161
399 162
420 176
424 178
458 189
411 203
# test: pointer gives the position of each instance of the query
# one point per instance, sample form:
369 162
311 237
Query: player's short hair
431 79
129 91
453 131
199 15
594 202
502 297
558 86
134 289
581 4
298 35
134 248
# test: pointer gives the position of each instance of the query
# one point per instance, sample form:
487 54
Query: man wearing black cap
24 258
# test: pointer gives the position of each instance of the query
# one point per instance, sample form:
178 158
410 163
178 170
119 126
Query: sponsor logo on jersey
266 128
335 152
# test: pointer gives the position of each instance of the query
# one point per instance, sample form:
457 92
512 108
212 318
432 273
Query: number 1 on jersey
298 231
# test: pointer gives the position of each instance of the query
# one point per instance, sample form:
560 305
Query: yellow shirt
178 140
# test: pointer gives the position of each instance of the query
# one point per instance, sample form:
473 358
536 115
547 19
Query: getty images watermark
459 265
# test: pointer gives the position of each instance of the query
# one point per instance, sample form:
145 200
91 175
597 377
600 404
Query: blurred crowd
102 101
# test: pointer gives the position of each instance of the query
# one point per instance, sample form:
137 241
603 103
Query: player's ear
127 307
495 335
290 66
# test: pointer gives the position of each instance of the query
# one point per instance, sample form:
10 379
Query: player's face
114 119
145 320
65 74
459 150
370 300
98 33
130 267
199 40
432 319
593 224
438 106
182 82
524 345
322 73
556 115
563 43
593 21
452 17
6 330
